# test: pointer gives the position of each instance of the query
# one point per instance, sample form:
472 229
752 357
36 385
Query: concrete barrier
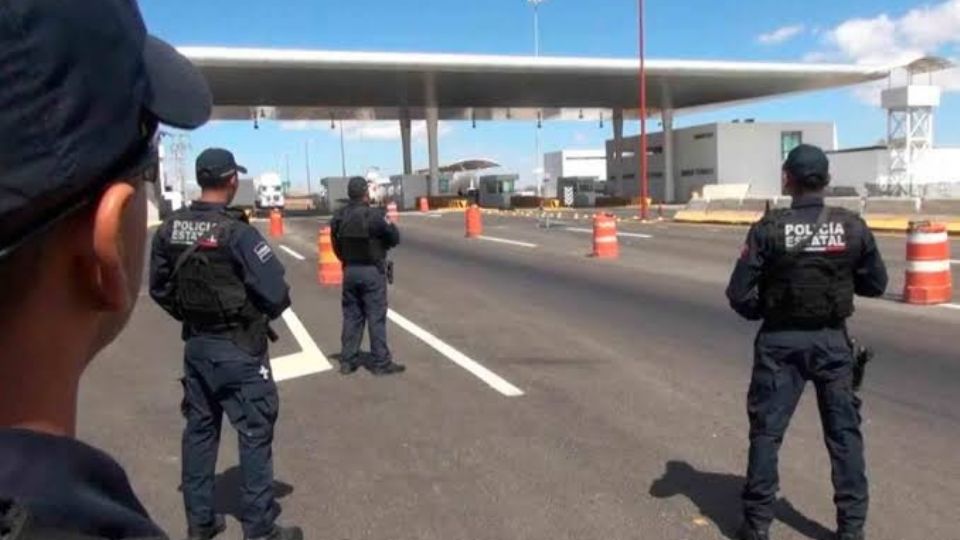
853 204
940 207
908 206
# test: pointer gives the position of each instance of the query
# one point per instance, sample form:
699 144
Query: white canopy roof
324 85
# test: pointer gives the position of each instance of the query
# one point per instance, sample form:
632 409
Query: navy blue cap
214 165
806 162
83 88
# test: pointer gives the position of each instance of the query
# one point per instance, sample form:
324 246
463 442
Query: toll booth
406 189
336 196
497 190
577 191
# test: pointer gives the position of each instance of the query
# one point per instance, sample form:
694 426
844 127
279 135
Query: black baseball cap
807 162
84 88
214 165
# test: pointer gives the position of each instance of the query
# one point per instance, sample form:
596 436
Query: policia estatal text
798 273
361 238
215 273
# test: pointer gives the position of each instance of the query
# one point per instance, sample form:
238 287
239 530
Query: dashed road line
293 253
951 306
506 241
495 381
308 361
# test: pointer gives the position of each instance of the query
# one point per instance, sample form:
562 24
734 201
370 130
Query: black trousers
364 302
784 362
221 378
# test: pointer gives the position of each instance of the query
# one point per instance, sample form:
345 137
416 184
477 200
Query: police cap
808 165
215 165
83 89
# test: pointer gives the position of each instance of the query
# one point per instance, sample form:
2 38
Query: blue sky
698 29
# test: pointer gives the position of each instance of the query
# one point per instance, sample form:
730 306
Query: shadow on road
228 490
717 496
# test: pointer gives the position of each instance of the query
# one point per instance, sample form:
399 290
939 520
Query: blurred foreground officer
215 273
82 90
798 273
361 238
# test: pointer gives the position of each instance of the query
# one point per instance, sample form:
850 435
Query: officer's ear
119 233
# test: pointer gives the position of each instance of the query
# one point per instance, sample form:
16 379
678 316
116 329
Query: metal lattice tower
910 111
175 151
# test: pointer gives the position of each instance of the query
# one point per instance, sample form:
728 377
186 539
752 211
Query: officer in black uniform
798 273
361 238
215 273
82 90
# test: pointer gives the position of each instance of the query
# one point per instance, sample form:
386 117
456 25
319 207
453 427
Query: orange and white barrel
929 280
329 267
392 213
424 204
605 243
474 222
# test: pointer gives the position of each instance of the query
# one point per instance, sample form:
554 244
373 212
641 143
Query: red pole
644 164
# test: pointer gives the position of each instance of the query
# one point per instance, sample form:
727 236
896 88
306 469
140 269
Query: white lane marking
505 241
495 381
951 306
623 234
293 253
308 361
955 261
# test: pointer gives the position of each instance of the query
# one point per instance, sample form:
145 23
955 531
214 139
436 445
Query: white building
736 152
867 170
571 163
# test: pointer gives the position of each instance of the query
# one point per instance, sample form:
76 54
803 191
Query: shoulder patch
263 252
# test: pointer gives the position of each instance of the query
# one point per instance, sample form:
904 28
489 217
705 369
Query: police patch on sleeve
263 252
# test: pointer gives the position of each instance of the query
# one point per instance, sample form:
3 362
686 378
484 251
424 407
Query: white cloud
369 130
890 40
781 35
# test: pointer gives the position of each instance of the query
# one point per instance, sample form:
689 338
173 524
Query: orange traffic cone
605 243
424 204
473 221
276 223
392 213
329 268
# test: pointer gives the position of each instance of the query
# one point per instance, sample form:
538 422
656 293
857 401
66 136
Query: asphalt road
631 423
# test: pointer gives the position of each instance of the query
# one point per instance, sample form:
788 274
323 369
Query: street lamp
536 52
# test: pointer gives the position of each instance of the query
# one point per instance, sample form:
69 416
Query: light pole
343 154
644 163
306 155
536 52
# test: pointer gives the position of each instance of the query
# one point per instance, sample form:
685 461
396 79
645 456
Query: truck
269 190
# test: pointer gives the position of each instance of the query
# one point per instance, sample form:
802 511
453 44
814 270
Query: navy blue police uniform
84 89
361 237
225 292
798 273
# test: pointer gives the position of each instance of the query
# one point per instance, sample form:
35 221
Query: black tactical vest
210 294
356 245
808 280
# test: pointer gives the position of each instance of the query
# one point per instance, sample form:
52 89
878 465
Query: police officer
361 238
798 273
216 274
82 90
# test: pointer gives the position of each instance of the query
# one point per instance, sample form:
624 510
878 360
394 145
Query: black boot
390 368
348 368
206 533
848 535
747 532
283 533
